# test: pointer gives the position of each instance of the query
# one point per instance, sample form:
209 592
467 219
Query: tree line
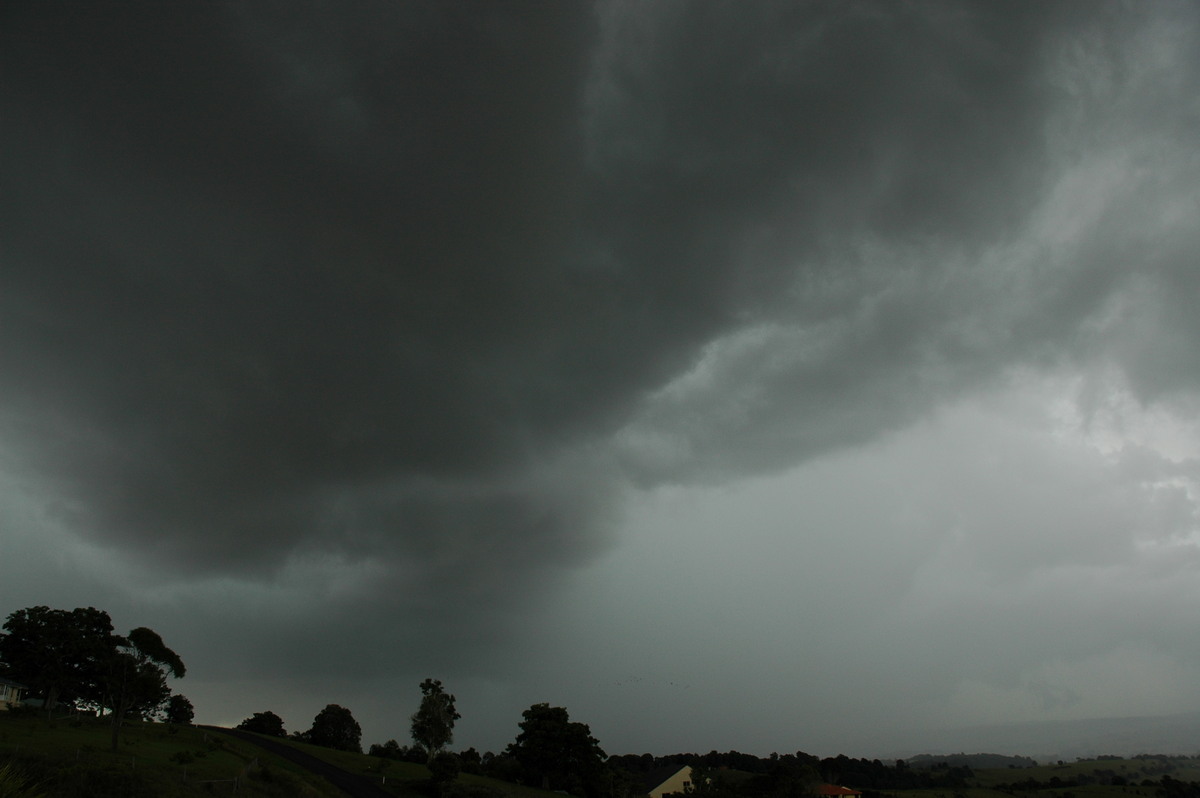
74 658
551 751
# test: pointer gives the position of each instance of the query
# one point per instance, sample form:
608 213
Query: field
71 758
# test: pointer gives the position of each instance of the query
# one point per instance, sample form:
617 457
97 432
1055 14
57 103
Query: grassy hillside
71 758
406 778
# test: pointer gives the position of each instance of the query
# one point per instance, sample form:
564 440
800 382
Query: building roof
652 780
833 789
11 683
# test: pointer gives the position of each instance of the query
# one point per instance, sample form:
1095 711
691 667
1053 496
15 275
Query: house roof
653 779
833 789
11 683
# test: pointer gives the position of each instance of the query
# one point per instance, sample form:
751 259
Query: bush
444 769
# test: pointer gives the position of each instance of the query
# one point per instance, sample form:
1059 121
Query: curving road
352 785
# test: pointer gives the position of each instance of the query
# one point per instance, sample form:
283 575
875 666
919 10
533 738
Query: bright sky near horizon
775 376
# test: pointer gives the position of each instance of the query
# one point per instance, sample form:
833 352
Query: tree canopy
74 656
433 722
61 655
136 676
335 727
178 710
557 753
264 723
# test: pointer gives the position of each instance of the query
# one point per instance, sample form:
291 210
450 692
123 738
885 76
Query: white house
10 693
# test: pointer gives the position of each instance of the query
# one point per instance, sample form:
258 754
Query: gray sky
763 376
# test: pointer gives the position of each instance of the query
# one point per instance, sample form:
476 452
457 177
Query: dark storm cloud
220 308
920 195
382 282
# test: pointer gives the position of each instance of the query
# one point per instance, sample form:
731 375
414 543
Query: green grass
409 779
72 757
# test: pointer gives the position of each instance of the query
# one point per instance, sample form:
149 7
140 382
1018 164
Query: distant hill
1066 740
973 761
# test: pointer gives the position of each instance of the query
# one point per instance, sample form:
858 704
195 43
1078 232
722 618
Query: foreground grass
71 757
409 779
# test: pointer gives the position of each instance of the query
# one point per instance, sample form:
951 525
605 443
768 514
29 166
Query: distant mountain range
1066 740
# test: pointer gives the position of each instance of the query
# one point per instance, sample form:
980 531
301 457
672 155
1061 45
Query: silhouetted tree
472 762
179 710
443 770
60 655
433 722
556 753
264 723
706 782
389 750
335 727
136 676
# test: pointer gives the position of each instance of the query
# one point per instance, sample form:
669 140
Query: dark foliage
264 723
135 676
62 655
335 727
433 722
400 753
74 656
1174 788
556 753
791 775
179 710
443 770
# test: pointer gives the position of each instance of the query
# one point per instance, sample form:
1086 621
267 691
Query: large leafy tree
62 655
136 676
178 710
335 727
557 753
74 656
264 723
433 722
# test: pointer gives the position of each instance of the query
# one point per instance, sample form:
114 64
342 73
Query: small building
834 791
668 780
10 693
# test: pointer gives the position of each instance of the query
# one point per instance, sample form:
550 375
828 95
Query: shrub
443 770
